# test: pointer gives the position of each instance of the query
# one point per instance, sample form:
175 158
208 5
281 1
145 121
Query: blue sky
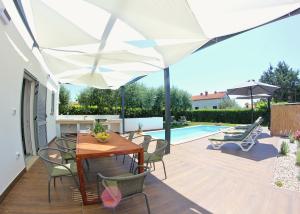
234 60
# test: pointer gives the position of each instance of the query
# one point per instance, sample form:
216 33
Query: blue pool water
181 135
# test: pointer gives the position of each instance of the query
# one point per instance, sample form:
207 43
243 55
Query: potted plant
98 128
100 133
139 130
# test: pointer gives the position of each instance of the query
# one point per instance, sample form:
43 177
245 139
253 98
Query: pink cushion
111 197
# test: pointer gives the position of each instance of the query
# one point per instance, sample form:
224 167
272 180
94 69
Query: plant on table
100 132
284 148
99 128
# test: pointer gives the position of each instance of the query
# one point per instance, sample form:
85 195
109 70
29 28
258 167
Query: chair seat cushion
68 156
234 131
61 171
72 146
227 138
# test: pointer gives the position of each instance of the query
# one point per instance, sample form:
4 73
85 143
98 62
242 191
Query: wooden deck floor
200 180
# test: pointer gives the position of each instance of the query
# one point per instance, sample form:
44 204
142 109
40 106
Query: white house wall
206 103
148 123
15 56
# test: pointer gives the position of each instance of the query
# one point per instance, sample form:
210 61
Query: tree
64 98
102 98
84 98
286 78
180 100
228 104
137 96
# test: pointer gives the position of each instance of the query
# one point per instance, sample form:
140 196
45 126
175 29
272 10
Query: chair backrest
160 149
131 135
161 146
251 128
129 185
51 157
146 142
259 120
65 144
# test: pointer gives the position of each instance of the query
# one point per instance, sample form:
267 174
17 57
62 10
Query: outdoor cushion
68 156
228 138
243 126
234 131
61 171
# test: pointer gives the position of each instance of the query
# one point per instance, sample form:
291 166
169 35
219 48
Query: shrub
279 183
284 148
291 138
298 158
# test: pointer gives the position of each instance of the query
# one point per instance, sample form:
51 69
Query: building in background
210 101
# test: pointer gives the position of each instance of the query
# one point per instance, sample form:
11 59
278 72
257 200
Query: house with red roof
210 101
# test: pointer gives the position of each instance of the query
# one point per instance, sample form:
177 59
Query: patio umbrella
252 88
256 96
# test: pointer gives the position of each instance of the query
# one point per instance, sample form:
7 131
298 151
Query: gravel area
285 170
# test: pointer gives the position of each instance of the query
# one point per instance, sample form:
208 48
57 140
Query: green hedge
94 110
237 116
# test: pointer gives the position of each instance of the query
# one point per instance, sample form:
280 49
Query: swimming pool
181 135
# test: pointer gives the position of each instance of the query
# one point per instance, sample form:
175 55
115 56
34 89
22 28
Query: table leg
81 179
141 160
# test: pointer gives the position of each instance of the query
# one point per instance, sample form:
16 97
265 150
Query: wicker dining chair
69 147
56 166
130 137
157 155
145 145
128 185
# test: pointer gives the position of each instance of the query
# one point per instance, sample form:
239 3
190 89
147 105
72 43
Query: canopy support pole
123 108
167 109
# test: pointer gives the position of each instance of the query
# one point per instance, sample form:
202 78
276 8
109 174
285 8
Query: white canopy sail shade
137 37
98 79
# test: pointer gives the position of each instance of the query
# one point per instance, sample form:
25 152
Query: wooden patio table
89 147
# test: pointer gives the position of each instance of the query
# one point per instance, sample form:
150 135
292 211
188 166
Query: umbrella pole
251 104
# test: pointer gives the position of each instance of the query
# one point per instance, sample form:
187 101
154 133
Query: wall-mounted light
4 16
